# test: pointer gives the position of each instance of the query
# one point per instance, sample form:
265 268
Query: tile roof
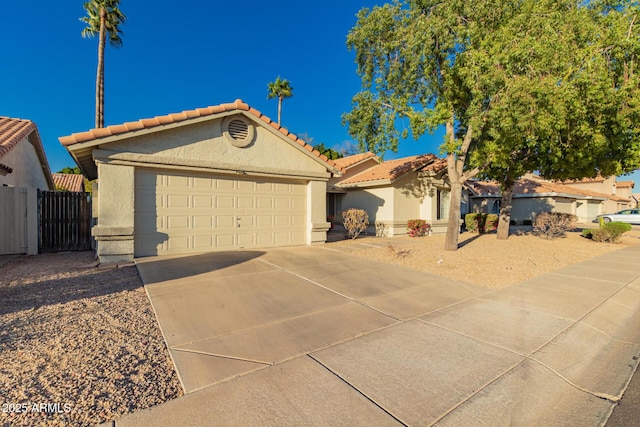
528 186
13 131
598 178
625 184
68 181
389 170
238 104
347 162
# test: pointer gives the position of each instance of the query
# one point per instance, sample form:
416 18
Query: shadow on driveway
162 269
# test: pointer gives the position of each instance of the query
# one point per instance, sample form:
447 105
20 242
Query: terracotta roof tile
390 170
347 162
625 184
598 178
13 131
94 134
4 169
68 181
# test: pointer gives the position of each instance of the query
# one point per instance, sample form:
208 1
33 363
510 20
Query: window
495 207
442 201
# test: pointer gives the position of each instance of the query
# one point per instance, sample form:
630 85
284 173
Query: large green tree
281 89
327 151
431 62
104 18
566 106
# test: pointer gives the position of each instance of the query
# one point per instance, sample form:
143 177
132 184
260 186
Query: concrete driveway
308 335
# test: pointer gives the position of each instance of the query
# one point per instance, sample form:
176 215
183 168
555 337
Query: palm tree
103 18
280 89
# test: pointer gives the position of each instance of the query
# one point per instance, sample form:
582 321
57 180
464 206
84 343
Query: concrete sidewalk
307 336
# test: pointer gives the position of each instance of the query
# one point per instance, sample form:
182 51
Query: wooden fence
65 221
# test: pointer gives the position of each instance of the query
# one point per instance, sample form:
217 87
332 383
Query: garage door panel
264 203
202 221
177 181
245 202
180 213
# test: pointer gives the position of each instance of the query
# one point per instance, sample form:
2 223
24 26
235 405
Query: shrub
587 233
513 222
527 222
355 222
550 225
611 232
418 227
481 222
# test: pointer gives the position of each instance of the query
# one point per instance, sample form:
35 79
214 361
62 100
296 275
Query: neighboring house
393 192
620 190
636 199
222 177
533 194
23 171
22 159
68 182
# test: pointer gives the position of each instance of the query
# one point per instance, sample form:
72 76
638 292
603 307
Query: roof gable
388 171
12 131
81 144
356 159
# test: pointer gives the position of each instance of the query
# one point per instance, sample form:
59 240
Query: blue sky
183 55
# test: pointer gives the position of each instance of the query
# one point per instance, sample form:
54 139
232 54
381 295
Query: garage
223 177
186 213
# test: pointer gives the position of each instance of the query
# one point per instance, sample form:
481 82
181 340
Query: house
23 171
68 182
533 194
222 177
22 159
393 192
620 190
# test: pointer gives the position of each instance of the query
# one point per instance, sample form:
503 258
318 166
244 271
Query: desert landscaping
85 337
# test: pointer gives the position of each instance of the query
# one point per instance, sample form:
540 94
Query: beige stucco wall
317 213
377 203
203 145
114 230
353 170
27 170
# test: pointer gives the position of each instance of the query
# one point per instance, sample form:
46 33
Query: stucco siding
377 202
527 208
205 143
27 170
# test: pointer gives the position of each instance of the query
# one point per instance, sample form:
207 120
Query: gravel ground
482 259
80 338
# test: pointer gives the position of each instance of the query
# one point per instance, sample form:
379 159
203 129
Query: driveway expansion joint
223 356
363 394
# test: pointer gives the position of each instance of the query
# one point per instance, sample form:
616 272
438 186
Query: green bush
513 222
527 222
418 227
587 233
355 221
550 225
481 222
610 233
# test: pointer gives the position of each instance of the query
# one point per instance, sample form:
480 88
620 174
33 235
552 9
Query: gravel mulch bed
482 259
81 339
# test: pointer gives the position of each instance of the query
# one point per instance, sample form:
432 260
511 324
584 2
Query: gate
65 221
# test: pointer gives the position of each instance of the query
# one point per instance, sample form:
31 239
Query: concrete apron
308 335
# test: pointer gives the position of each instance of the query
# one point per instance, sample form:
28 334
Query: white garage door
184 212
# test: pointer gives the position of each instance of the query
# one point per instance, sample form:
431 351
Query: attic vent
238 130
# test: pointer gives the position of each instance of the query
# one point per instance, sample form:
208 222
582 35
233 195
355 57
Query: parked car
631 216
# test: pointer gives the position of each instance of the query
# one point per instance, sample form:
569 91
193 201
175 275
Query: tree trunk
279 108
504 219
453 226
100 72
